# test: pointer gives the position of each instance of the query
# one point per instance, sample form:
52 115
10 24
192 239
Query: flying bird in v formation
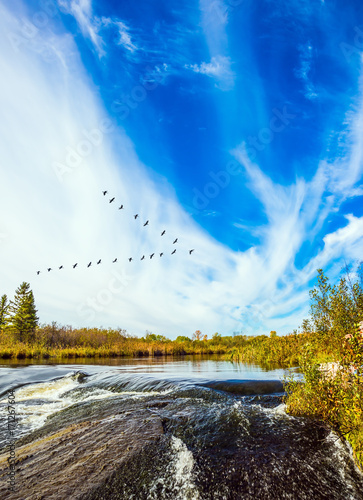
130 259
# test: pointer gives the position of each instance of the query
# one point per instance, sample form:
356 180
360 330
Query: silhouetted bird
143 257
162 234
114 261
130 259
136 216
161 254
49 269
146 223
60 267
75 265
173 252
152 255
120 207
111 200
38 272
190 251
104 193
89 265
99 262
175 241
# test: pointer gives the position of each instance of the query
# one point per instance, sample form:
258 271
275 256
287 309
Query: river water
226 433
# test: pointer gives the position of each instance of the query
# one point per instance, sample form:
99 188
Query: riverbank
331 393
59 342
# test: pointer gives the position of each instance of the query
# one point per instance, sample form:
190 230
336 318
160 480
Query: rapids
222 438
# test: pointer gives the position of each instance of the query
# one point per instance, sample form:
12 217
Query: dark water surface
226 433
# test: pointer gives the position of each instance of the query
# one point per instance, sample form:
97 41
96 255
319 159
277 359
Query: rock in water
74 461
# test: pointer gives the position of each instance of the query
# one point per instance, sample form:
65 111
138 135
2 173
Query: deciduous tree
197 335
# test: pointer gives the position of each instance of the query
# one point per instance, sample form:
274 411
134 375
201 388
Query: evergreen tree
24 318
4 307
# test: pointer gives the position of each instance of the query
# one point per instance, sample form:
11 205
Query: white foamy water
36 402
178 476
183 467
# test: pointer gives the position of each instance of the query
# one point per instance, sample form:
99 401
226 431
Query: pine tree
4 307
24 318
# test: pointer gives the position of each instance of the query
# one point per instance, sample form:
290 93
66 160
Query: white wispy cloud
218 68
303 71
214 16
69 221
296 213
92 26
125 38
123 32
81 10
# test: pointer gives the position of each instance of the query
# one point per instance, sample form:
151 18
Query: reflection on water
172 365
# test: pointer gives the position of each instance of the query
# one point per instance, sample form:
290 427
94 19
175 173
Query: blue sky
235 125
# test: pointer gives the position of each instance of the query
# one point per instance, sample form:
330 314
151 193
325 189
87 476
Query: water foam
36 402
178 475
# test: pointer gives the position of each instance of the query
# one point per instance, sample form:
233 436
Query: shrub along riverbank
336 332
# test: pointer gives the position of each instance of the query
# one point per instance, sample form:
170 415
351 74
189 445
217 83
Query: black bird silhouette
60 267
173 252
190 251
38 272
161 254
99 262
162 234
136 216
111 200
89 265
143 257
75 265
114 261
175 241
120 207
49 269
152 255
130 259
146 223
104 193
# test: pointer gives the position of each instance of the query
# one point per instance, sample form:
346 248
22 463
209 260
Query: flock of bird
130 259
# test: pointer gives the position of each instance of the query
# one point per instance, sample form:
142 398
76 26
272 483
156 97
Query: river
224 431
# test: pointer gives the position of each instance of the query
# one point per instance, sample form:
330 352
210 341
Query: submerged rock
62 461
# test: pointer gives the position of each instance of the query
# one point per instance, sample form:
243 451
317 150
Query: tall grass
67 342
